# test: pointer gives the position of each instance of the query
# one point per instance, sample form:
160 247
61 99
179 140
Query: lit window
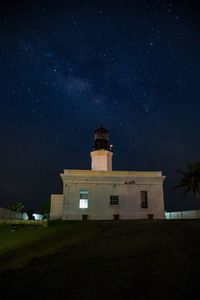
114 200
83 202
143 199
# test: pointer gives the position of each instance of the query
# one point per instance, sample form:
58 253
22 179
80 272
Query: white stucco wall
101 160
56 210
100 185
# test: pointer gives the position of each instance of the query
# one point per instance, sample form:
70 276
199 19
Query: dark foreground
146 259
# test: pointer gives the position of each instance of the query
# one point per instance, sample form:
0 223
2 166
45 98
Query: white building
104 194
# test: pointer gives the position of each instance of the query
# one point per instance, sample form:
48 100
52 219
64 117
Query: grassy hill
141 259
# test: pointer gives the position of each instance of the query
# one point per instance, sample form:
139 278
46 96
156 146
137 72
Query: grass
141 259
20 244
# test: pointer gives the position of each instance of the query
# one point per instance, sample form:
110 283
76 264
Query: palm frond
186 191
181 172
190 178
178 186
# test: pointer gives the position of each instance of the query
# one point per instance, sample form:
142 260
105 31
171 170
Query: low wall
187 214
7 214
24 222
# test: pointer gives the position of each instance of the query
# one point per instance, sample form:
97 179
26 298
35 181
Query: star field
69 66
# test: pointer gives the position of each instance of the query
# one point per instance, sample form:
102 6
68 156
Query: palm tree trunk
198 199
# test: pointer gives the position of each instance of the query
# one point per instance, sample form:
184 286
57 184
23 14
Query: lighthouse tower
104 194
101 156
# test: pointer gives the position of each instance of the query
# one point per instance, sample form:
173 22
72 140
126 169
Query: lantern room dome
101 139
101 130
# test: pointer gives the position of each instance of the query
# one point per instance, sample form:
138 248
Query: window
114 200
83 202
143 199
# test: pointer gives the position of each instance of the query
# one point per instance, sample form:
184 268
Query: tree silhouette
46 209
18 207
30 213
190 180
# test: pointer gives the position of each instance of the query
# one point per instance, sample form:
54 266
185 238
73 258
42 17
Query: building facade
104 194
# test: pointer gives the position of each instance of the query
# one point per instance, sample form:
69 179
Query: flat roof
112 173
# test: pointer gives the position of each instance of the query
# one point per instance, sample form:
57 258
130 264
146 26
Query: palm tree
191 180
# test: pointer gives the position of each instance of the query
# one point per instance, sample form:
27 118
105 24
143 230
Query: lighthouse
100 193
101 156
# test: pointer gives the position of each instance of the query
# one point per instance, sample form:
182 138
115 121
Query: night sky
68 67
